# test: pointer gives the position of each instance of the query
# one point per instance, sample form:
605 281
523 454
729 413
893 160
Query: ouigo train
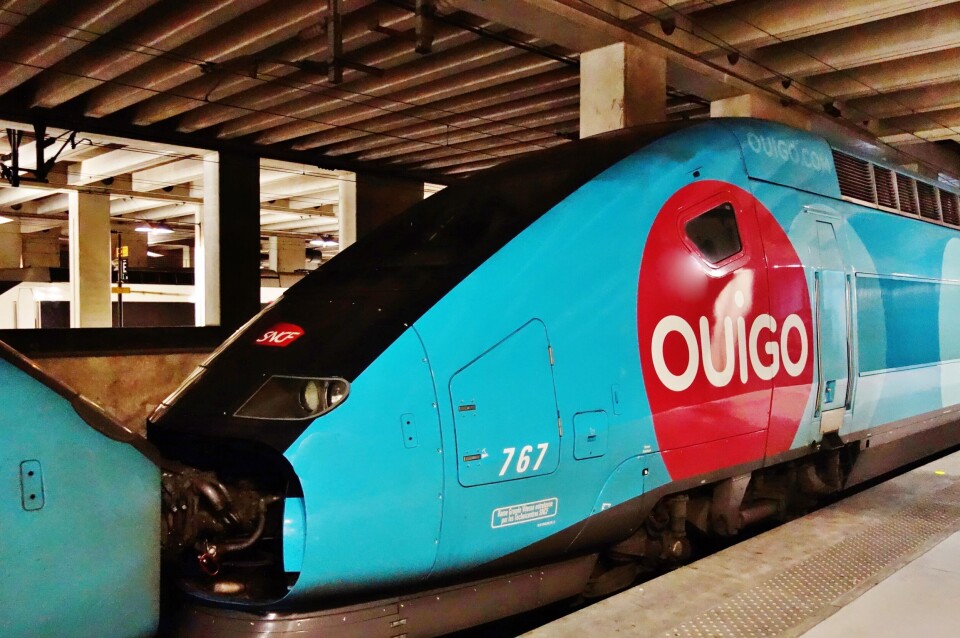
533 385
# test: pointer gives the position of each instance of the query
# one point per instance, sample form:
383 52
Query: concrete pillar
287 254
380 198
347 209
227 259
89 219
759 107
41 249
621 85
11 245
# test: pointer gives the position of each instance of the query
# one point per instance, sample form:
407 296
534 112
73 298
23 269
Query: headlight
294 398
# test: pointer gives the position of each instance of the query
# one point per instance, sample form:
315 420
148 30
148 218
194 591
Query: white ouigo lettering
748 347
675 382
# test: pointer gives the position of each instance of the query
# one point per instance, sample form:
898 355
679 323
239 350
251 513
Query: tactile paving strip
803 590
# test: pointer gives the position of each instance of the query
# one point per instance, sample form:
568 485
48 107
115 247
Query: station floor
882 563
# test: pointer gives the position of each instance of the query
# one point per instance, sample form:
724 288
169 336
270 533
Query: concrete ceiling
501 77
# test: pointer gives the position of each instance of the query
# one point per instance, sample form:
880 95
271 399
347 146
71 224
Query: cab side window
715 233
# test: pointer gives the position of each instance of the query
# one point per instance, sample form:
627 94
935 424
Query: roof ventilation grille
907 194
886 189
948 204
855 178
927 196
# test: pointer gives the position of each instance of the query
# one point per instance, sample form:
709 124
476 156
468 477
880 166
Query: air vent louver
871 184
948 204
854 176
908 200
927 196
886 191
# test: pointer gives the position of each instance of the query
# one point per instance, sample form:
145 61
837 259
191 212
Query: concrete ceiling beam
449 129
312 224
127 205
894 38
909 73
10 196
32 48
96 65
112 164
524 129
746 26
316 198
391 56
296 185
16 11
934 125
249 33
506 152
170 174
490 75
402 124
170 211
930 98
425 76
198 93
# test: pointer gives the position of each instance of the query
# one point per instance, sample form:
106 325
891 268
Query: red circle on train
725 340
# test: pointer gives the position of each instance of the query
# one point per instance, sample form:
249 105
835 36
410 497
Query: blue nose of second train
384 439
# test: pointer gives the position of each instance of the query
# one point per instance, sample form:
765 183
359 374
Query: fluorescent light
150 253
156 228
4 220
324 242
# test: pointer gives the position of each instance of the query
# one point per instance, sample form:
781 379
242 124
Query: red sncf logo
280 335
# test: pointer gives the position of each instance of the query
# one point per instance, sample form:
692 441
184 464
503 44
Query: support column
227 259
89 221
760 107
347 209
621 85
380 198
287 254
11 244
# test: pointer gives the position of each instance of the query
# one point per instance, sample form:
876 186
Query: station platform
883 562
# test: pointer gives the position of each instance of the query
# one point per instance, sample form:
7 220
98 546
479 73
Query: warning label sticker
524 513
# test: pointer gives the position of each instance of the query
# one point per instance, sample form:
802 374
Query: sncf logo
280 335
741 349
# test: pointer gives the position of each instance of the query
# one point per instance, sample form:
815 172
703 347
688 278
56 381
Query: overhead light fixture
149 227
4 220
150 253
324 242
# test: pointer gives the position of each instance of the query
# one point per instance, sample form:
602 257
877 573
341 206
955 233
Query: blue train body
546 331
80 515
569 360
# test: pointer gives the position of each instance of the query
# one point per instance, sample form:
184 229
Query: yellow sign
123 290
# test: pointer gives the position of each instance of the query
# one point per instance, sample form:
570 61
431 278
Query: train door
505 410
832 328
